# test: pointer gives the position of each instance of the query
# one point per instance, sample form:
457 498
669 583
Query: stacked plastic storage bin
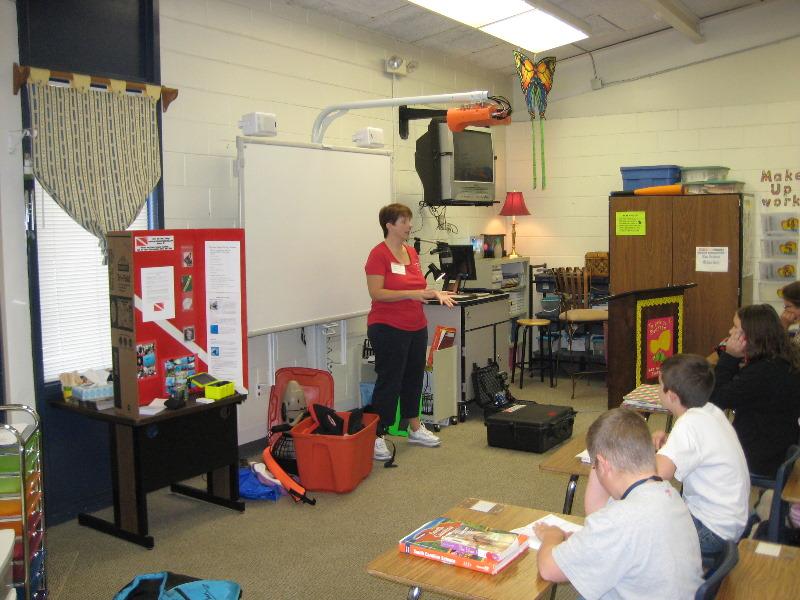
22 500
709 180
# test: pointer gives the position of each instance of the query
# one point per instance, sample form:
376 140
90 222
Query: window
73 291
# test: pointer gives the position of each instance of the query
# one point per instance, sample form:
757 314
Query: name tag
398 269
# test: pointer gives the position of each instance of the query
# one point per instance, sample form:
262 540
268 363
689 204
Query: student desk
762 576
791 492
151 452
518 581
563 461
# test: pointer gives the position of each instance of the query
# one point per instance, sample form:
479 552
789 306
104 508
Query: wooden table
791 492
563 461
520 580
152 452
762 576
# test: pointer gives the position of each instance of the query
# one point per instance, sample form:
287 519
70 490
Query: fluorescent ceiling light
514 21
475 14
535 31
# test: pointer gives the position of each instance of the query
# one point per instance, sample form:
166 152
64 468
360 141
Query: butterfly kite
536 80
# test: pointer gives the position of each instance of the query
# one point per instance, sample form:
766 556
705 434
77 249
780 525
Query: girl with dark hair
791 305
758 376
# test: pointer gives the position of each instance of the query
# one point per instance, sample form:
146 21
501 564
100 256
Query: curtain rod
21 75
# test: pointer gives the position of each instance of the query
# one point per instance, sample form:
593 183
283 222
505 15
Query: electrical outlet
262 390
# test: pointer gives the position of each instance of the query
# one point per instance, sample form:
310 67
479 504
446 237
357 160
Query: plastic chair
572 285
714 576
775 529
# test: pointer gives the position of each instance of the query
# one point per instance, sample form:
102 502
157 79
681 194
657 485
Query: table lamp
514 206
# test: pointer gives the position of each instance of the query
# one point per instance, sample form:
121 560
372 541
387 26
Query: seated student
703 452
758 376
638 540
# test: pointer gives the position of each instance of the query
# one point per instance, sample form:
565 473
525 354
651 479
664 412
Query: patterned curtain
96 152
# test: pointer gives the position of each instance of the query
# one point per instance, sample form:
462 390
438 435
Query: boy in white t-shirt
638 540
703 452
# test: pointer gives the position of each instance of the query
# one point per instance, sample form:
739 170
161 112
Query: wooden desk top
791 493
563 460
518 581
762 576
115 415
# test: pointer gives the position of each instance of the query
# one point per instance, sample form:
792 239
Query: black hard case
530 427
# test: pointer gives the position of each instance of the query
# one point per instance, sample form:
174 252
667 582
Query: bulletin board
310 215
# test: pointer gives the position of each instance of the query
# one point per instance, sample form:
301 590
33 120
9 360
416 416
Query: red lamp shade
514 205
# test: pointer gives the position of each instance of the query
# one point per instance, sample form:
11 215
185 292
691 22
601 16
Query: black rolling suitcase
530 427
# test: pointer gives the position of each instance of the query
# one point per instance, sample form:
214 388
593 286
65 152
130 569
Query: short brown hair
390 213
791 292
690 377
622 437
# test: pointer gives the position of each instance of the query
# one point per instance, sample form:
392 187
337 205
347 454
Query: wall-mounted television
456 167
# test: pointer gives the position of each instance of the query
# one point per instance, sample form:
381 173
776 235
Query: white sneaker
381 451
423 437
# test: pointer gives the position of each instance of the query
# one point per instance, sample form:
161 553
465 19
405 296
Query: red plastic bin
334 463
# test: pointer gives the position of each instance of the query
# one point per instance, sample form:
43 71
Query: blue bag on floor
251 488
173 586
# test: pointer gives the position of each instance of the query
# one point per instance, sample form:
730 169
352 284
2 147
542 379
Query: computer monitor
458 265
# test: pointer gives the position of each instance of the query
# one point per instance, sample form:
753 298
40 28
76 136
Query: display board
310 214
176 305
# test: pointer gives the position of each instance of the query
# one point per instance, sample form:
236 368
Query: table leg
570 495
130 499
222 488
414 593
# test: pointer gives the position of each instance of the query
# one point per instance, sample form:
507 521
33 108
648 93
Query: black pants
400 366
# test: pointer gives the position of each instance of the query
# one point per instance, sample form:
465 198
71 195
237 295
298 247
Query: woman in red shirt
397 328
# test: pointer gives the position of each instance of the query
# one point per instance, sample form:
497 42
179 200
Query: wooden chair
572 285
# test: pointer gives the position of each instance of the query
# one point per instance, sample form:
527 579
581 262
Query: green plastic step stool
394 428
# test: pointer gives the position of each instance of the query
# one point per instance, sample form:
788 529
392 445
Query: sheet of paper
713 259
768 549
224 310
631 222
534 542
584 457
155 407
483 506
158 293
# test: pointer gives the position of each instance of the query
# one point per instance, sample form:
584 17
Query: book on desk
464 545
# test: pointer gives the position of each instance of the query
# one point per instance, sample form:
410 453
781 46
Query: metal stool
544 328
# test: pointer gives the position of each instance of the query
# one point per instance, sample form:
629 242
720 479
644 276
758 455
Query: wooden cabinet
675 227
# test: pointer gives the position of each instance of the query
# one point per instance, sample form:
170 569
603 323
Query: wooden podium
645 327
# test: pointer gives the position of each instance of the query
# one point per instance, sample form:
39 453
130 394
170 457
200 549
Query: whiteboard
310 215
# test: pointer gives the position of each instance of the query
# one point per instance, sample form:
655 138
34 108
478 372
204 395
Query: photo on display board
188 257
145 360
177 371
188 334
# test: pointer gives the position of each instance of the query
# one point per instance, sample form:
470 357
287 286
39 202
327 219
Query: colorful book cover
436 540
443 337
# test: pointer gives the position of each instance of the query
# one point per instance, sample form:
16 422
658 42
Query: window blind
73 291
